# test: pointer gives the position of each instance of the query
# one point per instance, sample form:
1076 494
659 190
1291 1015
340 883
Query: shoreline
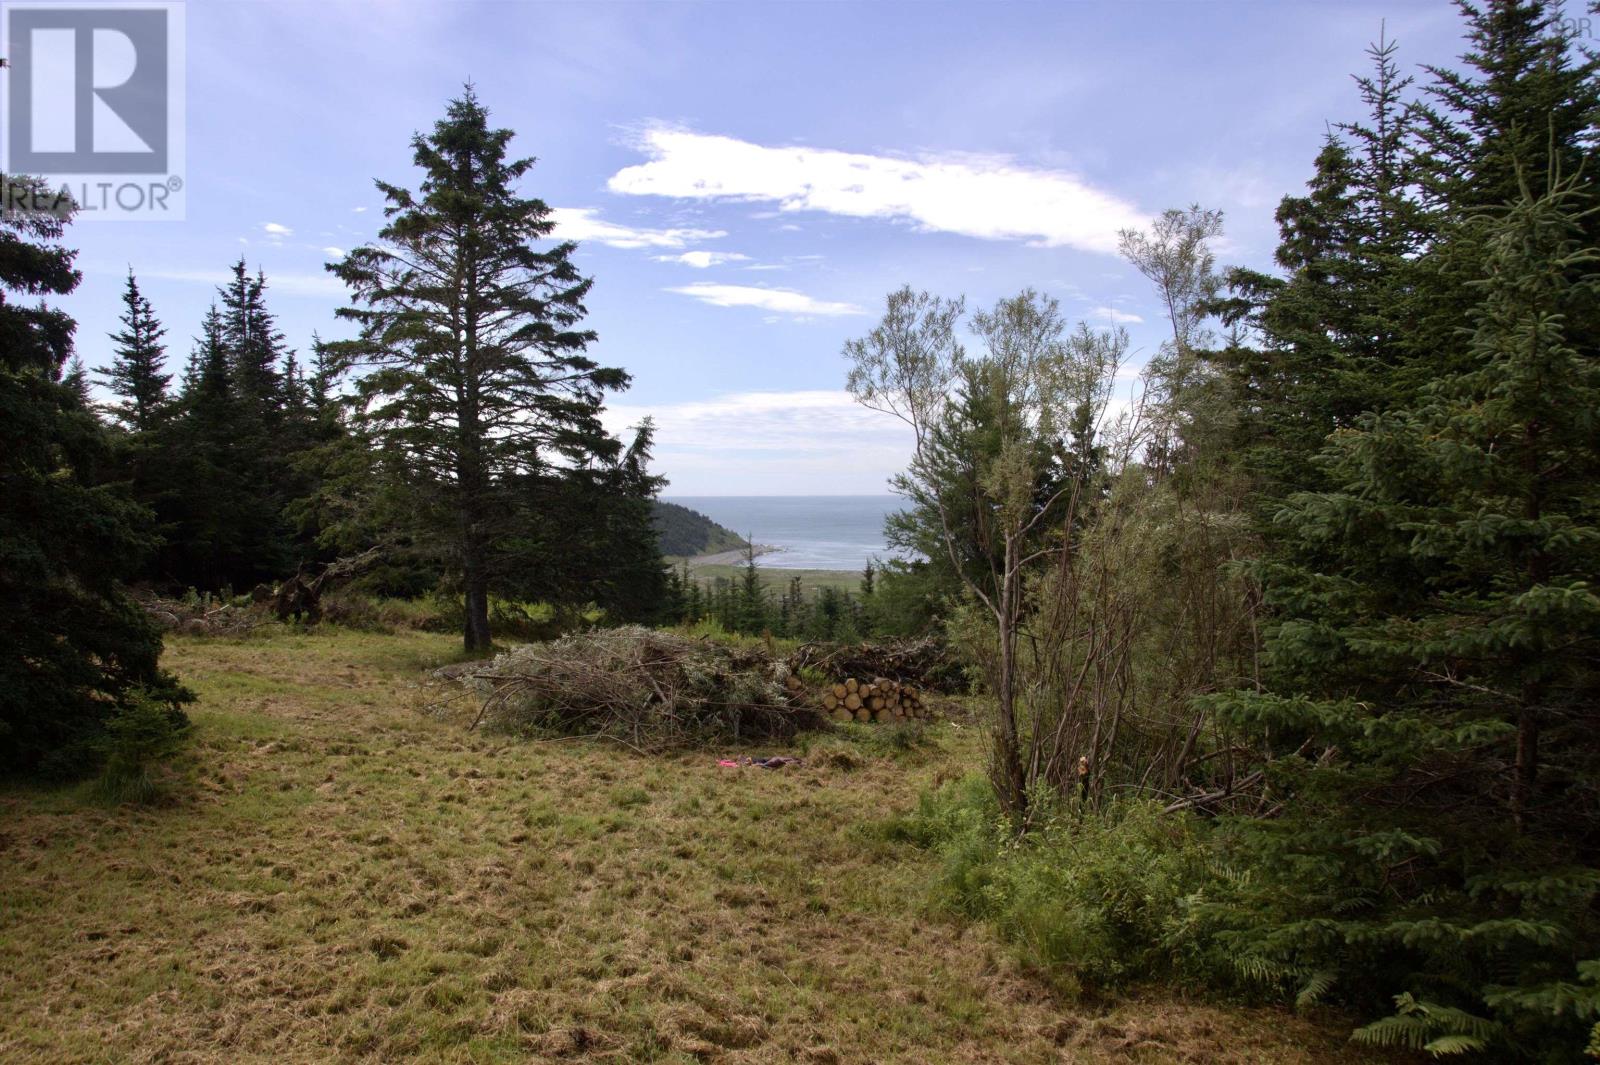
729 558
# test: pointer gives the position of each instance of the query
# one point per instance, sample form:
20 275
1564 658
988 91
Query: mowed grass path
341 876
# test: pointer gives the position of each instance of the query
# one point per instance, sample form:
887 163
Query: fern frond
1454 1044
1313 989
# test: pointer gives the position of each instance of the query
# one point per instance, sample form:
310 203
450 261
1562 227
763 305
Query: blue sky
749 180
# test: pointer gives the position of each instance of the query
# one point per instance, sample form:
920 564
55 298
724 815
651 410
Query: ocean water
809 532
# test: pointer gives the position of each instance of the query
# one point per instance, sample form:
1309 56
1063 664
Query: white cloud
318 285
333 252
358 210
809 442
979 196
275 229
784 300
585 223
702 259
1114 316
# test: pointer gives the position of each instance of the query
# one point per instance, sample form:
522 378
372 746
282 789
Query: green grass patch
335 873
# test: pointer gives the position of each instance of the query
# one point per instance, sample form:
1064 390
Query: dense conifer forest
684 533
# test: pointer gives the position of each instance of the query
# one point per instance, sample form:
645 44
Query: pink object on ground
726 764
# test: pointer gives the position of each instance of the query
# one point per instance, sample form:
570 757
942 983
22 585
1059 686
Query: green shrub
141 734
1457 936
1094 899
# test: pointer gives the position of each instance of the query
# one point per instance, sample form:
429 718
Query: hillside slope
686 533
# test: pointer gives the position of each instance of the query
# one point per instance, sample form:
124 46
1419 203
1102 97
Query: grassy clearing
776 579
338 875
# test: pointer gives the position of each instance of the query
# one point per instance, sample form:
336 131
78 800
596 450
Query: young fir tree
144 453
74 650
138 360
1432 682
473 336
792 608
207 540
322 385
675 597
296 406
752 612
967 439
326 457
76 378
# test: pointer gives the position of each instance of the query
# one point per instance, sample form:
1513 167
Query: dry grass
339 876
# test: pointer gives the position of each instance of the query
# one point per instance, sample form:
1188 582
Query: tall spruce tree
473 337
1432 682
1421 414
325 454
74 650
1419 592
326 370
138 360
753 612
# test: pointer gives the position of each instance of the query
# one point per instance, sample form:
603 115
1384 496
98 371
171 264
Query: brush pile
201 615
649 690
880 699
927 663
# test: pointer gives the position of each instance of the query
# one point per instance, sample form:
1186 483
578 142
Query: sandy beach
729 558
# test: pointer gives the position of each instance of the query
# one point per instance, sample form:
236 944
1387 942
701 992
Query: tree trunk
1009 778
1527 758
1538 573
476 583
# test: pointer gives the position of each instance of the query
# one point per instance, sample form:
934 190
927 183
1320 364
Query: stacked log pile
925 662
879 699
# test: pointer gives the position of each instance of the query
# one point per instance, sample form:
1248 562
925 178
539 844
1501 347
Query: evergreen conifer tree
74 650
138 360
1333 337
474 340
255 346
1432 679
751 613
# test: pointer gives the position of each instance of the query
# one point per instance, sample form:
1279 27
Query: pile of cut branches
201 615
926 663
649 690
